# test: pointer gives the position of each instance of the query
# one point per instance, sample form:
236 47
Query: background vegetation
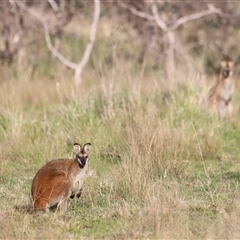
160 166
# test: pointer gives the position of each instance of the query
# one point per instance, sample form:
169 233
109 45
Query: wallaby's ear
77 148
87 147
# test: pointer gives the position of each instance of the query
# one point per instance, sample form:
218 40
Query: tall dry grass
160 167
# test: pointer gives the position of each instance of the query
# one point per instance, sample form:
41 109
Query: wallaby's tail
24 209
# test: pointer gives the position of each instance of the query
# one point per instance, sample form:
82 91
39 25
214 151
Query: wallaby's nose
82 161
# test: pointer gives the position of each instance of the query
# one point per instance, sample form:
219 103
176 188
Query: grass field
160 167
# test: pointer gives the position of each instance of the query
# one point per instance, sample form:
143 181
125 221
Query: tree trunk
170 64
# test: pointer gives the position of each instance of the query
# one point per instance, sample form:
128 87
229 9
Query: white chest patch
228 89
81 175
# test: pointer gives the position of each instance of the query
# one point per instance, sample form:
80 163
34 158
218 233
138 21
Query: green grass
160 166
169 175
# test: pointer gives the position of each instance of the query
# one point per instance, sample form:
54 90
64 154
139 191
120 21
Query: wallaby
58 178
220 95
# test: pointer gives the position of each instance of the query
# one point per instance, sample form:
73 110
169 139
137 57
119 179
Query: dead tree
13 26
64 15
168 30
77 67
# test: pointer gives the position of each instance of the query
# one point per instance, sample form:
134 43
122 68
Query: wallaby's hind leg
41 206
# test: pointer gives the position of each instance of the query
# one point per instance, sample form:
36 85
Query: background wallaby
57 178
220 95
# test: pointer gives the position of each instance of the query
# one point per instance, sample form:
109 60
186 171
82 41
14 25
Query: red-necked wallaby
220 95
58 178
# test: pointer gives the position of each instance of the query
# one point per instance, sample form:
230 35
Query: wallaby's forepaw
78 195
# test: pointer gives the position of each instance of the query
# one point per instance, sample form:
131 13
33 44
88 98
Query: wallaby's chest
81 174
227 89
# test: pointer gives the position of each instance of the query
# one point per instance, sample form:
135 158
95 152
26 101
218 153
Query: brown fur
57 178
219 97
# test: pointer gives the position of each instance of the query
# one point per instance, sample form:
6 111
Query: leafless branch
18 36
157 18
47 35
89 47
53 5
62 20
136 12
211 9
77 67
